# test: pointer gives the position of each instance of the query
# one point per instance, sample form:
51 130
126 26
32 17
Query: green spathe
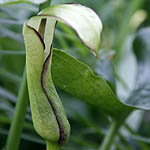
48 114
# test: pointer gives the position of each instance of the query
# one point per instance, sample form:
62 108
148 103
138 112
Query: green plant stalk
52 146
18 117
107 142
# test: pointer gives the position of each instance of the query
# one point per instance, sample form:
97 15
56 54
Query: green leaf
6 2
140 96
78 79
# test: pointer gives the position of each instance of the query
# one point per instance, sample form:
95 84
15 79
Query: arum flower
48 114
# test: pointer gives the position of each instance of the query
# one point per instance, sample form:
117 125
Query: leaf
7 2
47 110
140 96
78 79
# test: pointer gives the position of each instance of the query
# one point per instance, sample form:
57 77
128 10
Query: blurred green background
121 20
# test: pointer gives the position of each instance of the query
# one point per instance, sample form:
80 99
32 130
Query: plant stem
18 117
52 146
106 144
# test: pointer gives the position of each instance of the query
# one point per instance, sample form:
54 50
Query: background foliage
121 20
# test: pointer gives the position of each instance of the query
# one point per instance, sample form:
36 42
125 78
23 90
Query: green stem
52 146
18 117
106 144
